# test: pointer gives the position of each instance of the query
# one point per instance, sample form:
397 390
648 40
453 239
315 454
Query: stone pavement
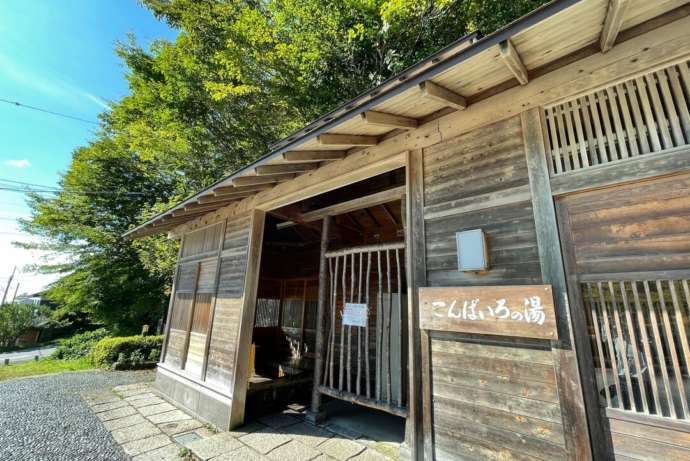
149 428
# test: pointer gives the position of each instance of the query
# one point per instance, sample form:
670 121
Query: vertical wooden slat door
628 257
367 364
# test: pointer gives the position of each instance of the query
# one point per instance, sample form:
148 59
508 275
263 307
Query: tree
240 75
15 319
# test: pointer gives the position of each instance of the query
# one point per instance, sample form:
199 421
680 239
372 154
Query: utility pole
7 289
16 289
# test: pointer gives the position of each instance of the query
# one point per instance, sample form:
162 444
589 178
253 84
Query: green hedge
79 345
127 349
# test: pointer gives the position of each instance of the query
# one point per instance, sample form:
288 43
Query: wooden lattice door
367 364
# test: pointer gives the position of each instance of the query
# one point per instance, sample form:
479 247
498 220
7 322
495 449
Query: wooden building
556 329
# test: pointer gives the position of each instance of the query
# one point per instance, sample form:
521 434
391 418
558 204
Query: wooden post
419 439
171 303
315 414
240 378
579 422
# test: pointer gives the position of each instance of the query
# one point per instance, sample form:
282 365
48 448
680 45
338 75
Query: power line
58 114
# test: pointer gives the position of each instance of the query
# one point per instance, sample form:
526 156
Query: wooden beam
572 360
513 62
206 199
254 180
313 155
194 210
371 117
354 204
263 170
316 415
443 95
330 139
235 189
612 24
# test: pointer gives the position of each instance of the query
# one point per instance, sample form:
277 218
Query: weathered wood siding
233 267
491 398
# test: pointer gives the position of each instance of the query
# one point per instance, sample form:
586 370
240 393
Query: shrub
15 319
79 345
127 349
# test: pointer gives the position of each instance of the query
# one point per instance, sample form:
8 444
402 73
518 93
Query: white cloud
23 163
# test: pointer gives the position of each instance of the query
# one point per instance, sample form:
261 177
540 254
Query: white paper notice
355 315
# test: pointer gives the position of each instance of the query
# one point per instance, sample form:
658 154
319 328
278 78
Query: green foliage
239 76
128 349
43 367
15 319
79 345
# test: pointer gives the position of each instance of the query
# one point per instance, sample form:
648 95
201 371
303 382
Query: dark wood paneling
491 399
640 227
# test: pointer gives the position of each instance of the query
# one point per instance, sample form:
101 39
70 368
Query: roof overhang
467 71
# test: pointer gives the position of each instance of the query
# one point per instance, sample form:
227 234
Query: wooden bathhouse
493 246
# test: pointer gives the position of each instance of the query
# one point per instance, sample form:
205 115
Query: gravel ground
45 419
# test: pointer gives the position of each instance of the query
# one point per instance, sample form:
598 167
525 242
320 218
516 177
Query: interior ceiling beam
612 24
443 95
314 155
513 61
371 117
331 139
263 170
254 180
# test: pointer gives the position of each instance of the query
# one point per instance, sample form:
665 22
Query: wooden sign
521 310
355 315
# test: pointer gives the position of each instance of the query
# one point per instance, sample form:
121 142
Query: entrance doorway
363 359
627 254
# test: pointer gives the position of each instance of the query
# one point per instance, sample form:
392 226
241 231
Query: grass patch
43 367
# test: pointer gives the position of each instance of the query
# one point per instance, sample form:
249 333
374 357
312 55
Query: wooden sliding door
628 259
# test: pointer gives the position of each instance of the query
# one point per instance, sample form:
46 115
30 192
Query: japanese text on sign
524 310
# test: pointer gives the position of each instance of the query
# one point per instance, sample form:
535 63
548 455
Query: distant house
492 246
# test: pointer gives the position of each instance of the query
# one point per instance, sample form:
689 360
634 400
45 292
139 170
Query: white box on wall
473 255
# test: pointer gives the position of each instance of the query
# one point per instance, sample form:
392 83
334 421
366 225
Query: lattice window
639 334
643 115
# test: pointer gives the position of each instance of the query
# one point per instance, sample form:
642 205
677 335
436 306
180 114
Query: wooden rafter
313 155
263 170
442 94
612 24
331 139
388 213
223 197
371 117
236 190
513 62
254 180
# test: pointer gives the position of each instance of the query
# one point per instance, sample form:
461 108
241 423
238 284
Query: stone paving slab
127 421
101 407
341 449
370 455
136 432
116 413
179 427
155 409
243 454
145 402
168 417
246 429
167 453
148 444
214 446
293 450
145 395
265 440
101 397
308 434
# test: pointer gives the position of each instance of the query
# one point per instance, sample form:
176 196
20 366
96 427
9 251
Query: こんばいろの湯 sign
522 310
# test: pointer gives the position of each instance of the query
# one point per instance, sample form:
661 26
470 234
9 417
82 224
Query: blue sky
56 55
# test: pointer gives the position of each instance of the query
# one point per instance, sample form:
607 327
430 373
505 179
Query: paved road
45 419
26 354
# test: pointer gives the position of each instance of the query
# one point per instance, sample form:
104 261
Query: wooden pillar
418 438
315 414
240 378
579 422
